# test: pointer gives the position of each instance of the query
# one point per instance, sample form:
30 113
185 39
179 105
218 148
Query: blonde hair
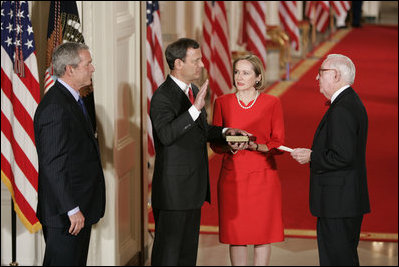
257 67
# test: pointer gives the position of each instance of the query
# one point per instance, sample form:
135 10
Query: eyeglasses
321 70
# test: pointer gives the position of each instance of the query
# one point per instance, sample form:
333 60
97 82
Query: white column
197 18
371 9
299 10
272 18
180 19
234 13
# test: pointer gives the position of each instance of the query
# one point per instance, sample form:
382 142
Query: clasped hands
301 155
235 146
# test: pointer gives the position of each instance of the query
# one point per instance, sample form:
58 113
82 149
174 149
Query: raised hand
199 102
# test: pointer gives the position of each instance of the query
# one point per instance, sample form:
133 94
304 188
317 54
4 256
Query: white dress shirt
335 95
194 112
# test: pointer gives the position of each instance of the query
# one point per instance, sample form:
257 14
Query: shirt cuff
224 131
194 112
74 211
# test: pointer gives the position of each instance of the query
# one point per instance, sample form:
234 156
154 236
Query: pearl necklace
250 106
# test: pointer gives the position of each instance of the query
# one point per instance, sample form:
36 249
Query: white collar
70 89
335 95
181 84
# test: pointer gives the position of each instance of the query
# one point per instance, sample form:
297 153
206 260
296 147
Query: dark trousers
357 13
337 239
64 249
176 237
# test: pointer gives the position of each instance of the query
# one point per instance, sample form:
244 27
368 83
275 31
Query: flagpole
313 22
331 20
13 236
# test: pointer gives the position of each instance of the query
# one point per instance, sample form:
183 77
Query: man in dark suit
180 182
338 180
71 189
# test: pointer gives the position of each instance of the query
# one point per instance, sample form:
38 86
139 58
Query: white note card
284 148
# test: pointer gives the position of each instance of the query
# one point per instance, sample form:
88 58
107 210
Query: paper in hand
284 148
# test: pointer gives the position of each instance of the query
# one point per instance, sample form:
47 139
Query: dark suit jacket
70 171
181 178
338 179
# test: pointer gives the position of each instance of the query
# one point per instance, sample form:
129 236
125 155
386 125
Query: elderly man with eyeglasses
338 194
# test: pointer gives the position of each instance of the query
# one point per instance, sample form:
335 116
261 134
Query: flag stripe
253 29
21 159
340 7
19 197
17 108
322 17
28 100
319 11
215 48
288 19
29 192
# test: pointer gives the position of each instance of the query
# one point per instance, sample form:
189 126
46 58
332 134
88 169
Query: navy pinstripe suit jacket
70 170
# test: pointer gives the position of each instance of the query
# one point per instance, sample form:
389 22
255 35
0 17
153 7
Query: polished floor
294 252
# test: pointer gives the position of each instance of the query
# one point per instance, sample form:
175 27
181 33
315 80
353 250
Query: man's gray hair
344 65
66 54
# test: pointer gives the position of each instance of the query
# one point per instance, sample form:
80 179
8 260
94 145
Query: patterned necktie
190 95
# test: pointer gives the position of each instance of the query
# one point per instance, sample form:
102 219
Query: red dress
249 190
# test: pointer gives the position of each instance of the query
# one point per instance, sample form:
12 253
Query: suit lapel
342 95
77 111
178 94
323 120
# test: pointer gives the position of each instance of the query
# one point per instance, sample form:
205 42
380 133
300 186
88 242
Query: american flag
20 95
287 14
341 8
155 67
253 28
215 48
319 14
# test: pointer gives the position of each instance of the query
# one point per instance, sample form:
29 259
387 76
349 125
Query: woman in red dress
249 190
